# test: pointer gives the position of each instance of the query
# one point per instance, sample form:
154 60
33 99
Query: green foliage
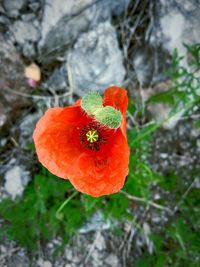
177 244
184 91
32 220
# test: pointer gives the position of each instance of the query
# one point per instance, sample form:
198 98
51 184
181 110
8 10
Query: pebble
112 260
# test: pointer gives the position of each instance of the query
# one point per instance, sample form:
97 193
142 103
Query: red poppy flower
73 145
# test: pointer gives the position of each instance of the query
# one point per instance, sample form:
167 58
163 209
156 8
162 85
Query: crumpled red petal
105 172
57 141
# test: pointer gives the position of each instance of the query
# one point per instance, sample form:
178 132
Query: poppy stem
60 215
145 201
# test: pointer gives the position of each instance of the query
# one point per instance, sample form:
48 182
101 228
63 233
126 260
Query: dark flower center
93 135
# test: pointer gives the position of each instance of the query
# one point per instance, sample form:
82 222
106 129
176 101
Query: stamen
92 136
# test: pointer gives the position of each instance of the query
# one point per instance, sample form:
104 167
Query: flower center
92 136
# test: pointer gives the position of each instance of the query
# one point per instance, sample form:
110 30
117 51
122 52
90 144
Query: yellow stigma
92 136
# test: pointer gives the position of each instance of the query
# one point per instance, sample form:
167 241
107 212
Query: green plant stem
58 212
143 200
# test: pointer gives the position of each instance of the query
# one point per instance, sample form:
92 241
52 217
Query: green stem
59 215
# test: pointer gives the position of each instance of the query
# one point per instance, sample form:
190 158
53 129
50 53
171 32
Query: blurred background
52 52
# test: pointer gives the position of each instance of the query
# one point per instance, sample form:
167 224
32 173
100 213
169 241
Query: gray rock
117 7
13 7
26 127
12 82
3 115
15 181
149 64
175 23
96 61
34 6
28 17
43 263
69 254
96 259
95 223
58 80
17 260
143 62
4 22
24 31
112 260
64 20
29 50
100 242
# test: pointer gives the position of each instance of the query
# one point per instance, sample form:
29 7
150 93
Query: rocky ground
79 46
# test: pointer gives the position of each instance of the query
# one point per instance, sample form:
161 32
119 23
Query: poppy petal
116 97
105 172
57 139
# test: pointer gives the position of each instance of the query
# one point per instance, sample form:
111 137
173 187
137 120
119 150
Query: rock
100 242
112 260
3 115
58 80
42 263
146 234
95 223
64 20
96 259
17 260
15 181
4 22
197 183
68 254
29 50
175 23
12 84
69 265
149 64
28 17
117 7
46 264
3 142
25 31
143 62
26 127
3 249
96 61
34 6
13 7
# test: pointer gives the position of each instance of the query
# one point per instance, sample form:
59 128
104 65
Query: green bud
108 116
91 102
